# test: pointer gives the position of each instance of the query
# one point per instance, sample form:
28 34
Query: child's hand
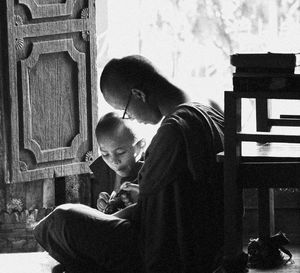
102 201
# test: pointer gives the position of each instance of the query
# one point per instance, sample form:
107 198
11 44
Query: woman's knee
58 216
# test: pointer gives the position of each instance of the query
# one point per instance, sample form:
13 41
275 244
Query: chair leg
233 222
266 223
233 198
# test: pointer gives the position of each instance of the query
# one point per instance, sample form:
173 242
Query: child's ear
139 94
140 145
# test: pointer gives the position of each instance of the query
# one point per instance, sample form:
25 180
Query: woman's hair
130 71
112 121
135 71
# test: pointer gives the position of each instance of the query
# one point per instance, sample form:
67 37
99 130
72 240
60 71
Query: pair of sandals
263 253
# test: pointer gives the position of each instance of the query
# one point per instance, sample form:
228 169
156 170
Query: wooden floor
41 262
33 262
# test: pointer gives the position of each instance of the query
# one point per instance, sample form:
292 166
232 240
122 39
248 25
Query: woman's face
143 112
118 152
137 109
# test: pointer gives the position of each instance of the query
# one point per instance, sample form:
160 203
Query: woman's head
136 78
119 145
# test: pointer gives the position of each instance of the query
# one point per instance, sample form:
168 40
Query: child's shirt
105 178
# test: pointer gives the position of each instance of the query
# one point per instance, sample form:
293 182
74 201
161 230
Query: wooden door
49 88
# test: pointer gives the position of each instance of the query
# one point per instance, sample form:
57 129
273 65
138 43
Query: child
121 151
119 163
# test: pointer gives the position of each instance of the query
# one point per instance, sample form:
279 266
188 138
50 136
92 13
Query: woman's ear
139 94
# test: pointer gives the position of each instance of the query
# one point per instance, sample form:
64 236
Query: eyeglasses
125 116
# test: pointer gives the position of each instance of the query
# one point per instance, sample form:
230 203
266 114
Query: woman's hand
132 188
102 201
128 186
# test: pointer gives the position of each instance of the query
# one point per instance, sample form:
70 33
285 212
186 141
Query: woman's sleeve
163 159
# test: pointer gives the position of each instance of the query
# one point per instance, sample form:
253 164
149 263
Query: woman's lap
75 233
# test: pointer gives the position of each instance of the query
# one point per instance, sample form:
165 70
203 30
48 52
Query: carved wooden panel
41 99
41 10
52 88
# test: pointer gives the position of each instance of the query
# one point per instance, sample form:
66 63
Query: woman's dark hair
130 71
119 76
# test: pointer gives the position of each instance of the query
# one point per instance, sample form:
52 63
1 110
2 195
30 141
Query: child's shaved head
113 124
119 146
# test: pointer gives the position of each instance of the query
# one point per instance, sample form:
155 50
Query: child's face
118 152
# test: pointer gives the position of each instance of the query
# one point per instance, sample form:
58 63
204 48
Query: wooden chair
259 159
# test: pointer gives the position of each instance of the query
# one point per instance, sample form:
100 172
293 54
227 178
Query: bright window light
191 41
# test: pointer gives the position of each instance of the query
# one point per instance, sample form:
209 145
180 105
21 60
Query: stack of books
265 72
